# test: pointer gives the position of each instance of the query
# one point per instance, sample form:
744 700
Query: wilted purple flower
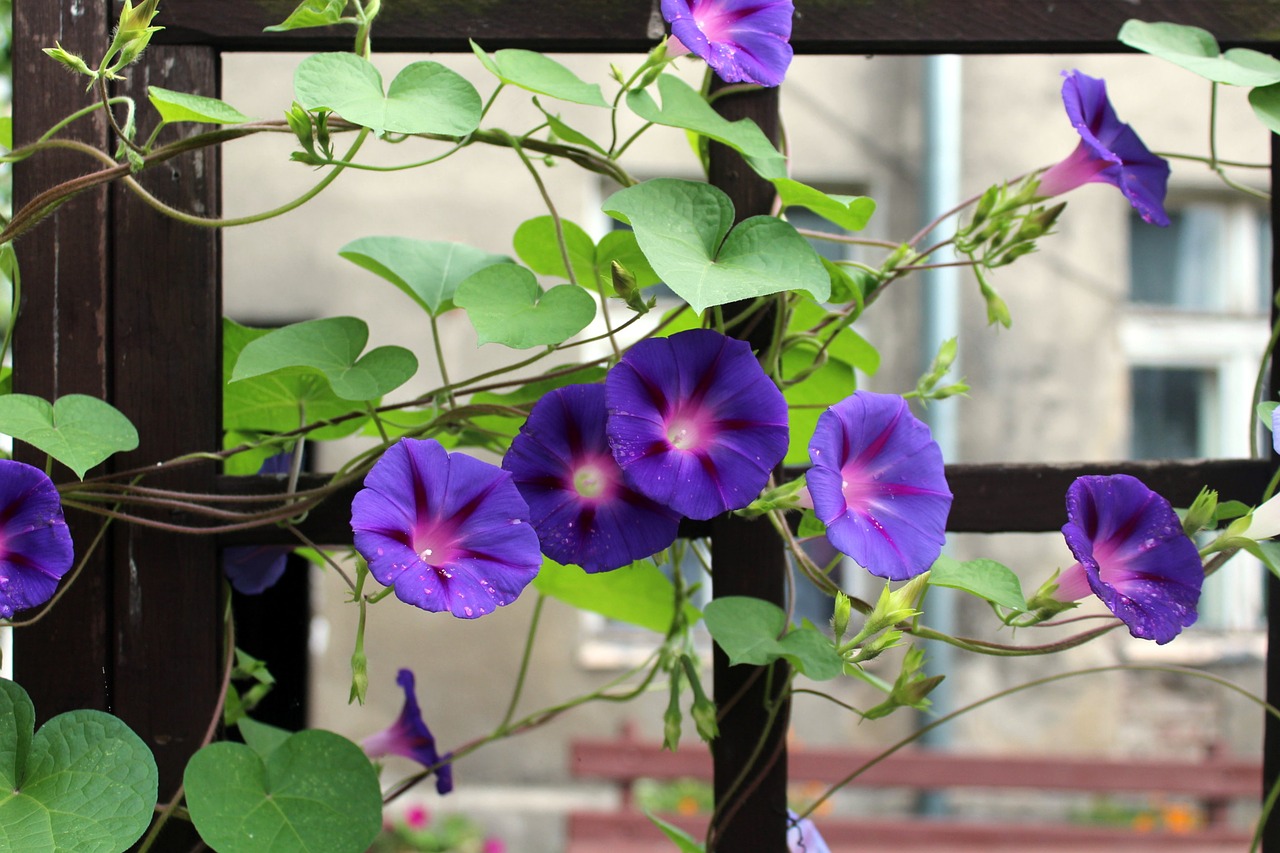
694 422
410 738
35 544
448 531
744 41
878 484
582 510
1132 554
803 836
1109 151
253 569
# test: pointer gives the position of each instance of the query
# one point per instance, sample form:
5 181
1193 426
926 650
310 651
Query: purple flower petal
410 738
1132 554
448 531
1109 151
35 544
694 422
803 836
253 569
878 484
582 510
744 41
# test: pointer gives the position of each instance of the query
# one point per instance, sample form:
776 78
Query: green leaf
84 782
748 630
428 271
639 594
682 225
1197 51
807 400
79 431
276 402
425 97
311 13
845 344
315 793
683 841
1266 105
506 306
567 133
622 246
683 107
540 74
810 525
180 106
536 243
850 212
6 132
260 737
986 579
330 347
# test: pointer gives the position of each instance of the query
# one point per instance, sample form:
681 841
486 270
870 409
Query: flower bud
840 620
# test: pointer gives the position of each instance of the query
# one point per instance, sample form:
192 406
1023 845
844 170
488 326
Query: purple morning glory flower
253 569
448 531
1132 554
878 484
744 41
803 836
410 738
35 544
694 422
1109 151
582 510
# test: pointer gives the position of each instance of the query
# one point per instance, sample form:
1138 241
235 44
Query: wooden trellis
124 304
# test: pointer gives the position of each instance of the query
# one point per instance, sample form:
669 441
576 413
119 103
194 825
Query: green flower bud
1200 513
70 60
840 619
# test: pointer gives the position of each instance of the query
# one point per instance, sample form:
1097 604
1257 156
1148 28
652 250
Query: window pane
1167 412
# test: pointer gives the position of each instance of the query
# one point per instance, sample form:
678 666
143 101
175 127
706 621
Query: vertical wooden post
1271 735
748 559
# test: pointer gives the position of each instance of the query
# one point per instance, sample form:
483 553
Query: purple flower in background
1132 554
448 531
35 544
410 738
744 41
878 484
253 569
694 422
803 836
582 510
1109 151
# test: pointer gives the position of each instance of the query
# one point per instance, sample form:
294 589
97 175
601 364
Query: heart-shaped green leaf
428 271
79 431
1265 101
850 212
639 594
567 133
181 106
330 347
311 13
1197 51
536 243
750 631
683 107
506 306
540 74
682 228
425 97
315 793
984 578
84 782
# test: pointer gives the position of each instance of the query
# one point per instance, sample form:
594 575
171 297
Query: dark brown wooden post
1271 736
748 559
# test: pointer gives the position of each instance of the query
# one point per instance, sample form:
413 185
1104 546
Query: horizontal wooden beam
821 26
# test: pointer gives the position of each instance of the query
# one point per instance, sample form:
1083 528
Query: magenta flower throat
1109 151
1133 554
35 544
744 41
410 738
694 422
582 509
449 532
879 485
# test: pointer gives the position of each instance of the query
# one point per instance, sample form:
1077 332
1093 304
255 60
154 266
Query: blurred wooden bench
1213 783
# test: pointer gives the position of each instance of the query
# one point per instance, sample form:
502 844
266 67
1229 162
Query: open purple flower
744 41
1132 554
410 738
803 836
582 510
1109 151
35 544
448 531
253 569
694 422
878 484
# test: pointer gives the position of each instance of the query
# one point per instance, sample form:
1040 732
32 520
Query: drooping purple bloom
582 510
694 422
1132 554
878 484
410 738
1109 151
35 544
803 836
448 531
744 41
253 569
